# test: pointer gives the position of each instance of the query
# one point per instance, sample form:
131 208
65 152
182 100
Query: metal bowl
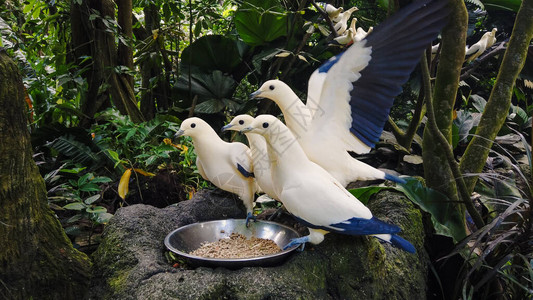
190 237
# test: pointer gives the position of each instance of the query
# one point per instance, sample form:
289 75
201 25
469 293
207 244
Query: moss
118 282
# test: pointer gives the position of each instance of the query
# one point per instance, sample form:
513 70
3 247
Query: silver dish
190 237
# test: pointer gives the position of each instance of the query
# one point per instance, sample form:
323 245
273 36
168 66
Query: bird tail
401 243
397 242
394 178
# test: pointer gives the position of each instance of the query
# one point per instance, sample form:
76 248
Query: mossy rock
131 264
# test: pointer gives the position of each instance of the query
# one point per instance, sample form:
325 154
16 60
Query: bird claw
248 217
297 241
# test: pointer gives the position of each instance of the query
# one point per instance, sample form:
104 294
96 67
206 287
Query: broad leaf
259 22
214 52
446 219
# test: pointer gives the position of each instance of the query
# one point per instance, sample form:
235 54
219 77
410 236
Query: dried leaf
123 185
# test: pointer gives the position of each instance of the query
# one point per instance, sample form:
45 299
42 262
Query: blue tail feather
401 243
395 178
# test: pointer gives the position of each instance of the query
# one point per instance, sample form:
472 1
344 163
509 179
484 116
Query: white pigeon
341 22
349 97
227 165
360 34
485 42
312 195
260 158
346 38
331 10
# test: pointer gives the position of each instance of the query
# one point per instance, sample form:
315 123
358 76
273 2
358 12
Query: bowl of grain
230 244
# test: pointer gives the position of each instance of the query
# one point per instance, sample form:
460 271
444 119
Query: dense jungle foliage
107 84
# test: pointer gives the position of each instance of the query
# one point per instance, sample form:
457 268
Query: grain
237 246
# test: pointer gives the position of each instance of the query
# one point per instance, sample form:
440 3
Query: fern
75 150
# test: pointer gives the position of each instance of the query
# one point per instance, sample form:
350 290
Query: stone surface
130 262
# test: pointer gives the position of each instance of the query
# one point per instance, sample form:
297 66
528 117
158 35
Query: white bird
350 95
260 158
485 42
312 195
360 34
346 38
227 165
341 22
331 10
344 15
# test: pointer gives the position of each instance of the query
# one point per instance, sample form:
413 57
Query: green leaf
103 217
259 22
75 206
101 179
446 219
365 193
96 210
89 187
213 52
91 199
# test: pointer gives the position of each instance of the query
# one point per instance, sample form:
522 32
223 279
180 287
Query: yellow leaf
123 185
143 172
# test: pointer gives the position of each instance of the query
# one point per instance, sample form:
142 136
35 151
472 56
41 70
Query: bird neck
296 114
284 149
206 141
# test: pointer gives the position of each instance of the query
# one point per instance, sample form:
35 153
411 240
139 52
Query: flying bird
314 197
350 95
227 165
260 158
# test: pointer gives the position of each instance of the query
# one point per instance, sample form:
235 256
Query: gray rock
130 262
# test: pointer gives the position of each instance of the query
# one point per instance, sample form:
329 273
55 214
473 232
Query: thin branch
454 166
469 69
326 17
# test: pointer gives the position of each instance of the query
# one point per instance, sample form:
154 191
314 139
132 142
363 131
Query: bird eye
271 87
265 125
193 125
241 122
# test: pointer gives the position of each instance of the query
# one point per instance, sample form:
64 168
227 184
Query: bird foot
249 216
297 241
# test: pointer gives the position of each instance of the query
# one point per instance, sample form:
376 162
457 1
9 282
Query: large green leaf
214 52
259 22
214 85
445 218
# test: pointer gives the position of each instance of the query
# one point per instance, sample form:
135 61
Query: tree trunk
497 107
92 38
37 259
125 52
436 169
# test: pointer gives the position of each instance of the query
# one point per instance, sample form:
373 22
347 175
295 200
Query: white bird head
267 126
193 127
239 123
277 91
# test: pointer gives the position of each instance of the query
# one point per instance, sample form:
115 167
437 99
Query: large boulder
130 262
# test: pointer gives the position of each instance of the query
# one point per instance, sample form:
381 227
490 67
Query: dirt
237 246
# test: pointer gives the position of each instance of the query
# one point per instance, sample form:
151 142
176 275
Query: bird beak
255 94
247 129
224 128
179 133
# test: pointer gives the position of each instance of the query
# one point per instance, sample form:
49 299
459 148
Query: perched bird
361 33
331 10
346 38
487 40
260 158
349 97
312 195
341 22
227 165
